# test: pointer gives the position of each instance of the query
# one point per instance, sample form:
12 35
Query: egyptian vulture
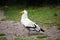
31 26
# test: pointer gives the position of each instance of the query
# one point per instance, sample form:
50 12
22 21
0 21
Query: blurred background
46 13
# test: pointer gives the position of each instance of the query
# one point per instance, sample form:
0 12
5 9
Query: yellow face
22 12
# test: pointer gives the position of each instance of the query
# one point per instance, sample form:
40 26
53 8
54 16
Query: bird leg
28 31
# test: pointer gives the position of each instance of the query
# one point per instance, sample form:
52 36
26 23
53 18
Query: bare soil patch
16 29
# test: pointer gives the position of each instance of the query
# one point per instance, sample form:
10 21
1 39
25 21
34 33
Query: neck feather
24 16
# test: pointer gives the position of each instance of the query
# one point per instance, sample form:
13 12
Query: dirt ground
14 29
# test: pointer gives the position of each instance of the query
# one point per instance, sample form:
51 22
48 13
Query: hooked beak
22 12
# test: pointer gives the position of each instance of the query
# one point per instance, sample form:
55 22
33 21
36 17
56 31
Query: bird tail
42 30
37 28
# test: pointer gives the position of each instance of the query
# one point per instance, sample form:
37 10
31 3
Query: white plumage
28 23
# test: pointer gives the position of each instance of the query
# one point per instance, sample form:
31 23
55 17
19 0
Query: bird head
24 12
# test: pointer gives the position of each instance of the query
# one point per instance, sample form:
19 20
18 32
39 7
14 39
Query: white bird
31 26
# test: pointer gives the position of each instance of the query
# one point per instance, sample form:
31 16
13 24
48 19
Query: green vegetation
3 38
40 37
1 34
58 38
28 39
40 15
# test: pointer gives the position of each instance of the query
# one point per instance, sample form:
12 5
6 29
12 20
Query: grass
40 15
1 34
40 37
3 38
58 39
28 39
